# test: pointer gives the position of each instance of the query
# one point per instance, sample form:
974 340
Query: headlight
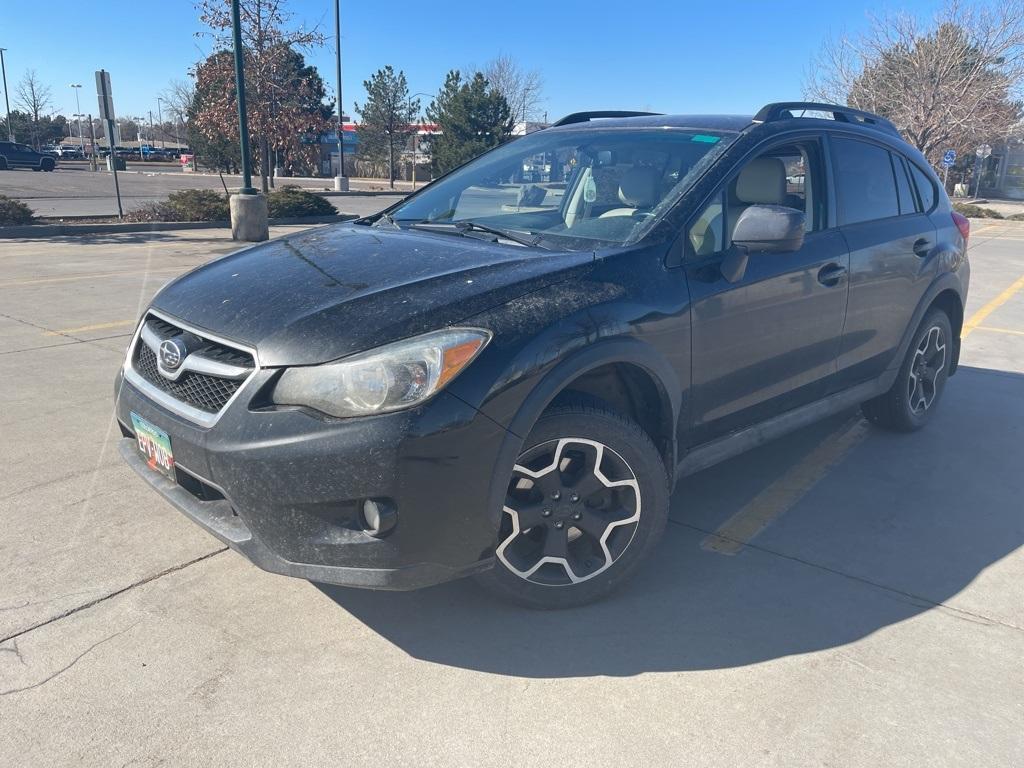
388 378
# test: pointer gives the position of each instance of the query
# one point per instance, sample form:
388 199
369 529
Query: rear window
865 185
925 187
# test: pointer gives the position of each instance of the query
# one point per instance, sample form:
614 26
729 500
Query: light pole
340 182
415 136
160 120
248 207
78 108
7 101
81 142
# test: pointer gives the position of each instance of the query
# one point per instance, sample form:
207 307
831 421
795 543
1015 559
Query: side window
925 187
908 204
789 175
865 184
707 233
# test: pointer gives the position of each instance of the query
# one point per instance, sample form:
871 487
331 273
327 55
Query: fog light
379 517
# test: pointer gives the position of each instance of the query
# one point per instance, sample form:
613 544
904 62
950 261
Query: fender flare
945 281
616 350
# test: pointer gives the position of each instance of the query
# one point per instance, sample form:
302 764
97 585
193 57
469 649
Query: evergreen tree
386 119
472 116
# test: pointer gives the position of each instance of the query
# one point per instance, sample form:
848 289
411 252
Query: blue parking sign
949 158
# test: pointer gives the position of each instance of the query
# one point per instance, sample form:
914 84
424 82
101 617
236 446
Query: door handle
922 247
831 274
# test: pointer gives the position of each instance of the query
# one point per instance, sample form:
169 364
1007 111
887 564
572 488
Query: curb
57 230
357 193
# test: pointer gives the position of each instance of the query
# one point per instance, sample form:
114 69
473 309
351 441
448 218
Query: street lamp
160 121
340 182
415 136
78 108
7 101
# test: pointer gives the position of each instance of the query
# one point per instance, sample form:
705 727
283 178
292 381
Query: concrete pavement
878 619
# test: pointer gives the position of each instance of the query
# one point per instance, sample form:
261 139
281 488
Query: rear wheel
587 501
909 404
3 163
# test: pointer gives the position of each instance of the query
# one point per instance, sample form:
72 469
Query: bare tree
35 98
522 89
270 41
950 82
178 96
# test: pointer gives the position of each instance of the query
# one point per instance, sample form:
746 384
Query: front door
769 341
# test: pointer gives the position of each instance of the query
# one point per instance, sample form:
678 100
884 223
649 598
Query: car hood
333 291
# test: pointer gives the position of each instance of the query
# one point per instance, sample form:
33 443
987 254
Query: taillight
963 224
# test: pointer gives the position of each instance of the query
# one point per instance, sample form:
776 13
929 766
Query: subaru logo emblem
172 352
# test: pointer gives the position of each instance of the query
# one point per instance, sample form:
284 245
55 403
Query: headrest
639 187
762 181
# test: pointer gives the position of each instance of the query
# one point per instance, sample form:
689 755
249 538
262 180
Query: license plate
155 445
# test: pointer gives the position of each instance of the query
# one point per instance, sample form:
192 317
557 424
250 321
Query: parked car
15 155
69 152
456 386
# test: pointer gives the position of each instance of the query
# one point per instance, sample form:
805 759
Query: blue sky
667 56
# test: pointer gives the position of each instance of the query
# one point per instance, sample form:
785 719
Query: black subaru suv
505 374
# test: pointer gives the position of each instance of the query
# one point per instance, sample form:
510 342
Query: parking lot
841 597
73 190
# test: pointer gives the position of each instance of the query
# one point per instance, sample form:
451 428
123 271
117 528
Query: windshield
575 189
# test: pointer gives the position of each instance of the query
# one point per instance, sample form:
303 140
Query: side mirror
770 228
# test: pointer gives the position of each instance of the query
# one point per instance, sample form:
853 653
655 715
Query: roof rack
783 110
583 117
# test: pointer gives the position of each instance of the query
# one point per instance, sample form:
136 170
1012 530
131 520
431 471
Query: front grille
204 392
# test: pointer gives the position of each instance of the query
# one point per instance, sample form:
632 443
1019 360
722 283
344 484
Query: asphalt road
862 603
76 191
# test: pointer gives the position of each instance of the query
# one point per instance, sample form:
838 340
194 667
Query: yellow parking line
96 327
979 317
991 329
37 281
783 493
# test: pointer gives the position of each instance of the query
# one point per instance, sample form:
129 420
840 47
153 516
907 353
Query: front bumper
285 487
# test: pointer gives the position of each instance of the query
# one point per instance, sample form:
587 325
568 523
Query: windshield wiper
465 227
387 219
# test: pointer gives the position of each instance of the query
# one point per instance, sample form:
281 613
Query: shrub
186 205
976 211
199 205
13 212
294 202
158 211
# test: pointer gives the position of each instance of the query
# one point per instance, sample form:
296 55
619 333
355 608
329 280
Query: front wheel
48 165
911 401
586 503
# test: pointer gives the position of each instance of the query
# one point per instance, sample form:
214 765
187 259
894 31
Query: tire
621 511
47 165
3 163
913 397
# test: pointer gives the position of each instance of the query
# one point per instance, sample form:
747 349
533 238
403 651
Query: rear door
768 342
891 240
25 155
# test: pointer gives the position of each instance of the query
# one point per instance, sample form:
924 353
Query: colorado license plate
155 445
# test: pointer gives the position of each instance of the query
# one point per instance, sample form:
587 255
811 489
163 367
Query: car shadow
831 571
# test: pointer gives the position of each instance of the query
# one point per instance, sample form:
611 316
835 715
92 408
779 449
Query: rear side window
865 184
925 187
908 204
